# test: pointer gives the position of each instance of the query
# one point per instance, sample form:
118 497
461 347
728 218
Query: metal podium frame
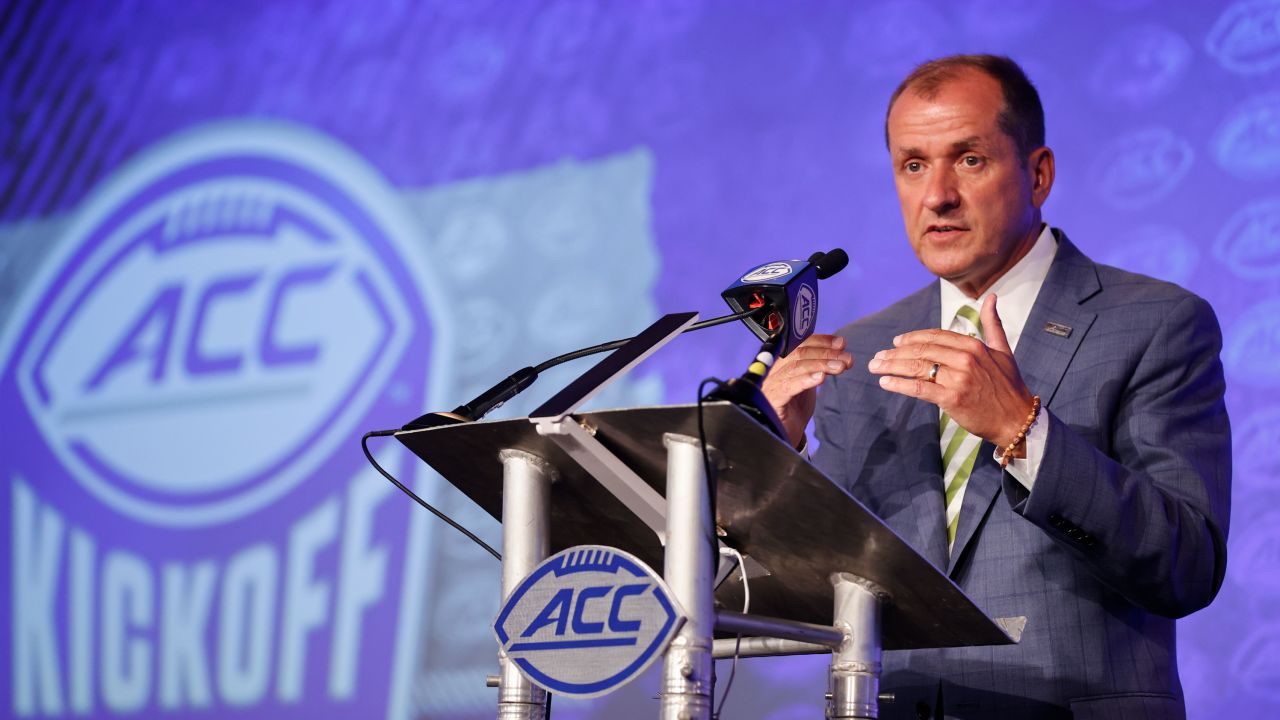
826 575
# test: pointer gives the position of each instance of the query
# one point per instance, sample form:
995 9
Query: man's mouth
943 231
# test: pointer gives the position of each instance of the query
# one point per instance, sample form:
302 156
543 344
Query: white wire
737 645
742 570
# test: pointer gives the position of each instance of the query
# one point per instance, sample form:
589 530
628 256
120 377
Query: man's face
970 203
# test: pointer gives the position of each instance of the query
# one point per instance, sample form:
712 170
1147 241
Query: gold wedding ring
933 373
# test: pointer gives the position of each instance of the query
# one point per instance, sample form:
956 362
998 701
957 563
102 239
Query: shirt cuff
1025 470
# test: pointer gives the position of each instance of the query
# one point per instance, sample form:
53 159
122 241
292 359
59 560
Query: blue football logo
1255 665
1256 463
587 620
1161 251
1247 144
1141 167
1249 242
223 287
1246 38
1140 64
1253 344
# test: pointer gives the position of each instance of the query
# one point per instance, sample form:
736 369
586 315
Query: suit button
1056 520
923 711
1075 533
1089 541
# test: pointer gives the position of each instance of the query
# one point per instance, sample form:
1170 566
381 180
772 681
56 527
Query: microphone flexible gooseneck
517 382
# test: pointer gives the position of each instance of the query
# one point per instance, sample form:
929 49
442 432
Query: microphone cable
364 443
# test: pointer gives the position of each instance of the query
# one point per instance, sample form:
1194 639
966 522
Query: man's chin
953 269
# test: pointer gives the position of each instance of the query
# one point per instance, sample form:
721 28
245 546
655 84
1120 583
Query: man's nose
941 195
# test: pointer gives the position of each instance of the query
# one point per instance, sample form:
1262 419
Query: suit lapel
1043 355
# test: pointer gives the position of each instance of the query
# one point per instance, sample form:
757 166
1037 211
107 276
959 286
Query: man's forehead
960 114
965 144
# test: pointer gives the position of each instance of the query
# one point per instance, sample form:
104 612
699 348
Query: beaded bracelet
1022 434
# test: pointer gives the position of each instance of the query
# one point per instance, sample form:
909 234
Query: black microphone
775 292
785 293
829 263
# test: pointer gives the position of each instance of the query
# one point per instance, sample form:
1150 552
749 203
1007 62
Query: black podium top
771 504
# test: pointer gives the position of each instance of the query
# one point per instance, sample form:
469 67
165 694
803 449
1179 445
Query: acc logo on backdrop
587 620
1257 554
1253 344
1246 38
1140 64
220 319
1161 251
1247 144
1256 463
1256 664
1141 167
232 310
1249 243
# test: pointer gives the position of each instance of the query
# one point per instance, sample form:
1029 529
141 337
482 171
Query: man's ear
1040 166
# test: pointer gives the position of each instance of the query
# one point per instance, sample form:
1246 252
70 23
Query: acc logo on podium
587 621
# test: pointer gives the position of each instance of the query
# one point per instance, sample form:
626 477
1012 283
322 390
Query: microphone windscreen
830 263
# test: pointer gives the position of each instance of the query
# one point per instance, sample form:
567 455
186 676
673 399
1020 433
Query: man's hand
791 386
978 385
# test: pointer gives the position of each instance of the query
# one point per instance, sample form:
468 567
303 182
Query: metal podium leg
526 541
689 568
854 679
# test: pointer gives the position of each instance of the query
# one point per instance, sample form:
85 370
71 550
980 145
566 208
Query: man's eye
971 160
913 166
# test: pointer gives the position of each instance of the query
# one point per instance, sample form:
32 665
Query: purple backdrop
463 187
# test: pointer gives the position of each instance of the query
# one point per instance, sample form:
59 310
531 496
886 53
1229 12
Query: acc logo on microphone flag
220 319
587 620
767 273
804 311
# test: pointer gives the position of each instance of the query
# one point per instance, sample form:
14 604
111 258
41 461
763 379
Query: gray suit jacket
1125 529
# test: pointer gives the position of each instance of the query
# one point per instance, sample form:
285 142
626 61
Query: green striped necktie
959 448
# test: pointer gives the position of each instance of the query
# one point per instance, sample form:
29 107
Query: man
1103 388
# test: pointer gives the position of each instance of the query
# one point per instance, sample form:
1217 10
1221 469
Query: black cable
706 464
711 494
364 443
615 344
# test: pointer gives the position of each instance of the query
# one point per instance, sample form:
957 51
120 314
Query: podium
824 573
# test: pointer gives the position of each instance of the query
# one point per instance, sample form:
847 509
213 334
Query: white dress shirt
1016 290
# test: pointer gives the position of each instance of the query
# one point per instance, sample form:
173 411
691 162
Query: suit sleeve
831 456
1148 515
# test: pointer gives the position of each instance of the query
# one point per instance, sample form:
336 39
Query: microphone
830 263
761 299
785 293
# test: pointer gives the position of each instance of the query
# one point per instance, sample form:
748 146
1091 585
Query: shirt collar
1017 288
